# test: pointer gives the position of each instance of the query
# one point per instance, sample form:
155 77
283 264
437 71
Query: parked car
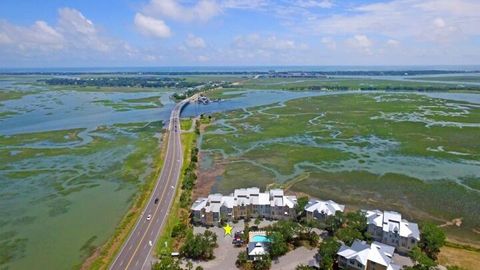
237 239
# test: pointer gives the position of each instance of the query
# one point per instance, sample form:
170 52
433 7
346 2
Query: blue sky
89 33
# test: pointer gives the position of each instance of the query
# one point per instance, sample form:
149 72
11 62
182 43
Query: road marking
156 209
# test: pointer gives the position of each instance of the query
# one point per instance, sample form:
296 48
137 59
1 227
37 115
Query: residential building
389 228
258 245
320 210
363 256
244 203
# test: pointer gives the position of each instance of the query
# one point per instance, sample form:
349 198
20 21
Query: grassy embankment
106 89
178 214
462 78
10 95
464 256
349 83
186 124
132 104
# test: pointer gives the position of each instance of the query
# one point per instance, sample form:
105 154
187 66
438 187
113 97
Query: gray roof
391 221
327 207
363 252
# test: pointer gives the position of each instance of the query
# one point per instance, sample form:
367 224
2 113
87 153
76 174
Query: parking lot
226 253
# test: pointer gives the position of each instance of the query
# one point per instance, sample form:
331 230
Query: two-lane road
135 253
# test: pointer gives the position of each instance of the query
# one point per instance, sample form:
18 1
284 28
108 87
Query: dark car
237 239
156 200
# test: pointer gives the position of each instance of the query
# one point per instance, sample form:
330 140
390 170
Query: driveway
289 261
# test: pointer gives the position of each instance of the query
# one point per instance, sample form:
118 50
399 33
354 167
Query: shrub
179 230
327 252
431 240
199 246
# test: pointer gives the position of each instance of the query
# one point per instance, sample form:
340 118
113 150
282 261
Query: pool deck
256 234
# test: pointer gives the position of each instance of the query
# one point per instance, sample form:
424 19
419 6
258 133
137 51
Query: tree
287 228
242 259
333 223
278 245
167 263
348 235
198 268
301 203
357 221
327 252
199 246
263 264
421 258
432 238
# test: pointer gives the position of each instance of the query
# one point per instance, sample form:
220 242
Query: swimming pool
260 238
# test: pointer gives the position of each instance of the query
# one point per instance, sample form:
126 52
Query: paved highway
135 253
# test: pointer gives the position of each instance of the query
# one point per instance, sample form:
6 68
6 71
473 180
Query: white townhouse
320 210
363 256
244 203
389 228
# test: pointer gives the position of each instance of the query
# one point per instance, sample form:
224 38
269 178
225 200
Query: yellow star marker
228 229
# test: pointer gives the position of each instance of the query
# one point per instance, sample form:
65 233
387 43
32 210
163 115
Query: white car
149 217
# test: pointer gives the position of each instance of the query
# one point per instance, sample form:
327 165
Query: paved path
135 253
300 255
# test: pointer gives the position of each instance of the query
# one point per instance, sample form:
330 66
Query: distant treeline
123 82
272 73
384 87
307 74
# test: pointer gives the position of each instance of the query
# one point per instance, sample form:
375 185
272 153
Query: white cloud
202 10
4 39
151 27
439 22
195 42
272 42
203 58
393 42
403 19
329 42
245 4
40 36
314 3
73 38
80 32
361 42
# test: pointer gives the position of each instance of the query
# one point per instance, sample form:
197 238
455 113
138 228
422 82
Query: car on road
156 200
149 217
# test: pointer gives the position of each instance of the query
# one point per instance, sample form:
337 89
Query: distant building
244 203
389 228
320 210
363 256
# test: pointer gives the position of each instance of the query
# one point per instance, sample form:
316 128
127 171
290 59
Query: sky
104 33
